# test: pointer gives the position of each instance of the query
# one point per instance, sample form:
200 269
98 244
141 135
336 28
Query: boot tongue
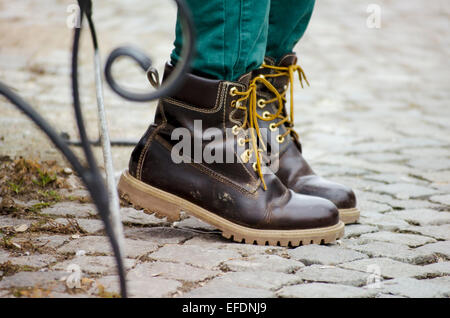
288 59
245 79
284 61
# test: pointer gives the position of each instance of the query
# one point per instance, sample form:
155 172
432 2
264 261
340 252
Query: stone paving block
210 239
430 164
389 296
325 255
385 221
218 241
414 288
411 240
44 240
194 223
80 194
332 274
132 216
35 260
413 204
175 271
437 269
355 230
258 280
405 190
31 279
5 294
90 226
385 267
249 249
104 265
383 157
441 248
391 178
142 286
426 152
442 199
442 188
72 209
4 256
371 206
323 290
223 289
440 232
157 235
356 183
258 263
444 281
207 257
101 245
398 252
435 176
404 204
67 295
422 216
6 221
369 147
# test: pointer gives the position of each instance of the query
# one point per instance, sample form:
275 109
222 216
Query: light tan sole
164 204
349 216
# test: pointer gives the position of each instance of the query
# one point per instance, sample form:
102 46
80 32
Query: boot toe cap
342 196
307 212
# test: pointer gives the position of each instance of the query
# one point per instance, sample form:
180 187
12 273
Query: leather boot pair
233 194
293 170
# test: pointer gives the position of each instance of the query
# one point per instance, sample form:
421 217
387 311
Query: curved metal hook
176 78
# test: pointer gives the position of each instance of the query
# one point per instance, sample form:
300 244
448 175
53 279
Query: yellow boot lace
288 71
251 119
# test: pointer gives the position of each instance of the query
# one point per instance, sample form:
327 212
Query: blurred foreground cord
105 197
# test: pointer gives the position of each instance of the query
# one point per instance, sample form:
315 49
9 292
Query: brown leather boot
229 196
293 170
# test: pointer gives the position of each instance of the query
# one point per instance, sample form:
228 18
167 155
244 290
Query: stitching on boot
219 177
148 142
217 106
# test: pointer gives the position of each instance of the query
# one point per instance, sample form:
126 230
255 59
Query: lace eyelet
272 127
245 156
280 139
255 166
233 91
266 115
235 130
261 103
241 141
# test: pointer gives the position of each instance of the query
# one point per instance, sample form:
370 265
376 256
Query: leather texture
230 190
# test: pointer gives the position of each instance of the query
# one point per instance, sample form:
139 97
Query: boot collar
201 91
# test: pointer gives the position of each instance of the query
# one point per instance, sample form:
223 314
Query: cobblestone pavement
376 117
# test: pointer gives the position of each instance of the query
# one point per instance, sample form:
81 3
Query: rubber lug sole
349 216
164 204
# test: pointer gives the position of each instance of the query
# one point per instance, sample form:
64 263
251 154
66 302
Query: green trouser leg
288 21
231 37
